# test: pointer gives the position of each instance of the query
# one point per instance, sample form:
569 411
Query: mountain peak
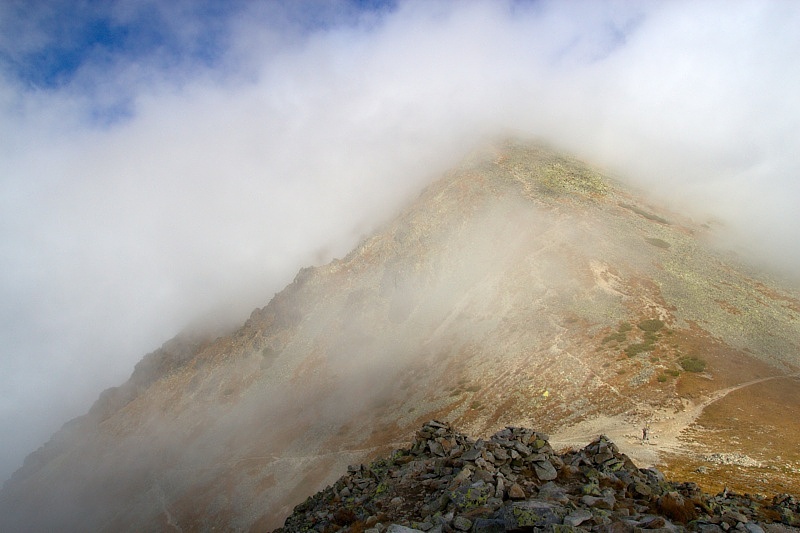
523 288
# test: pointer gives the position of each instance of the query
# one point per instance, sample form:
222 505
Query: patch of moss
563 175
691 363
651 325
621 334
637 348
615 337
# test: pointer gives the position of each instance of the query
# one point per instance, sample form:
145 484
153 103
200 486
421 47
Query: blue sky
163 163
49 44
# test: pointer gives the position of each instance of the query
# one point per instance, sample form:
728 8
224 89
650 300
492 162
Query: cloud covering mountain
163 165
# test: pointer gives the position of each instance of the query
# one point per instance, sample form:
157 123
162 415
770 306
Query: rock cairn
447 482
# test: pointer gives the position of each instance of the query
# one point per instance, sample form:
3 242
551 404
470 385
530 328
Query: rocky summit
514 481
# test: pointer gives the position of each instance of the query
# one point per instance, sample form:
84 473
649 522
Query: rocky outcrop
515 481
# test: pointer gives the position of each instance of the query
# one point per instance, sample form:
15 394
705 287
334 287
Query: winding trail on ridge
666 425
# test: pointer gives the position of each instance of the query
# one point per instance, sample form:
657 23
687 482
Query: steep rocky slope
521 289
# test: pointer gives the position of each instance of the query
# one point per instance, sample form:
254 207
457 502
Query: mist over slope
161 162
523 287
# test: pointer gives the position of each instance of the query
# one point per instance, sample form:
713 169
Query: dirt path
666 425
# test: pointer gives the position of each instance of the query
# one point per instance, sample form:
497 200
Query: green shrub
674 373
616 337
662 378
635 349
641 347
624 327
692 364
651 325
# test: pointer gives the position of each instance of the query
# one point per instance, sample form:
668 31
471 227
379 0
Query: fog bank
162 164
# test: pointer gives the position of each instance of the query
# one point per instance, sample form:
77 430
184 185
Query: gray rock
471 455
577 517
531 513
651 521
484 476
640 489
602 457
462 523
486 525
709 528
564 528
436 448
471 496
605 502
619 526
545 471
500 455
522 449
499 488
515 492
397 528
464 475
551 491
732 517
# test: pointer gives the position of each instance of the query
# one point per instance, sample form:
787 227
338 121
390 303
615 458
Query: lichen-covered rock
532 513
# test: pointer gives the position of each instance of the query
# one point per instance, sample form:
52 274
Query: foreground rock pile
448 482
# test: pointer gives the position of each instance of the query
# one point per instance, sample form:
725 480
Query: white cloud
227 176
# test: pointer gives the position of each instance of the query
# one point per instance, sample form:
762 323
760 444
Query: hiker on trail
644 433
